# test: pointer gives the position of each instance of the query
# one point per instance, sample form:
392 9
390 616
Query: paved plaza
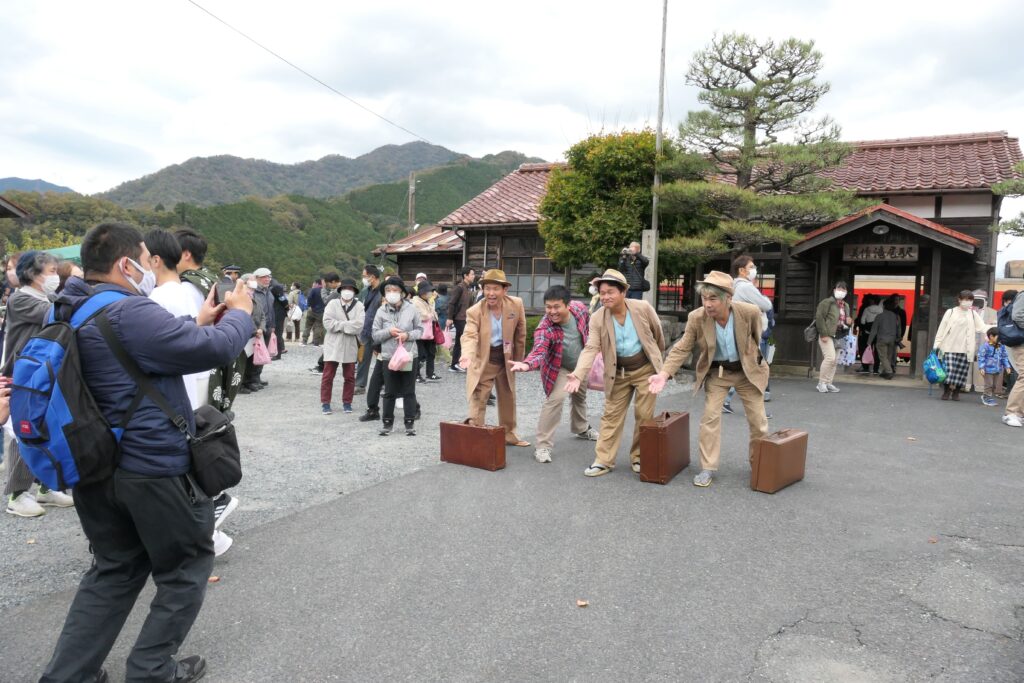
360 558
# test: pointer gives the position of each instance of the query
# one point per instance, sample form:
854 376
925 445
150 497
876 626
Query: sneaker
346 408
636 466
325 408
26 506
596 470
370 416
317 371
56 499
455 368
385 429
410 429
589 435
822 388
542 455
988 401
264 383
190 669
223 505
1008 420
704 478
831 388
420 380
726 408
434 378
221 543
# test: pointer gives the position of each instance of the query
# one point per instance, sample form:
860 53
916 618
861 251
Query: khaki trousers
494 374
1015 401
551 411
828 360
716 387
884 351
614 419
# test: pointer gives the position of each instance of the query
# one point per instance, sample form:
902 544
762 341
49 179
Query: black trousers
425 352
375 385
460 327
399 384
279 330
137 526
253 372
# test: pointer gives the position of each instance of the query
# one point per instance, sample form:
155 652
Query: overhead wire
308 74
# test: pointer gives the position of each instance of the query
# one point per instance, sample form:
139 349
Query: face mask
51 283
839 294
592 290
366 282
966 304
148 284
751 273
393 298
347 294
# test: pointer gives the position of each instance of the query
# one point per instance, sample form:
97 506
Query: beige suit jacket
602 340
700 338
476 338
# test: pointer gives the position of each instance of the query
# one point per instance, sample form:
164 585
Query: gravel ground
293 458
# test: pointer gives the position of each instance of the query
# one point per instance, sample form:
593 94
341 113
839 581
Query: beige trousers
715 390
494 374
828 361
1015 401
551 411
614 419
885 351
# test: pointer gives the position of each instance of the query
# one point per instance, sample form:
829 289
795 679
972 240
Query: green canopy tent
72 253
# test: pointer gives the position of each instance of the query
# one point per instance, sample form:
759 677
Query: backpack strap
87 311
141 379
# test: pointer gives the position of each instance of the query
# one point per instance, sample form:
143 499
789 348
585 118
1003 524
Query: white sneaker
831 388
221 543
56 499
542 455
24 506
822 388
1008 420
589 435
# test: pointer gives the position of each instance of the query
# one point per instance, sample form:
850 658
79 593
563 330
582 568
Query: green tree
766 155
601 200
1014 187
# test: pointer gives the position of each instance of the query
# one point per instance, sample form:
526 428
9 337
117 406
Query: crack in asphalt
975 539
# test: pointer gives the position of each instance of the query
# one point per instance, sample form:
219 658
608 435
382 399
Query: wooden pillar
914 352
933 294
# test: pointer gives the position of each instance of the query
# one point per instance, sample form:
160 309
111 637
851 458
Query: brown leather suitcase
778 460
664 447
466 444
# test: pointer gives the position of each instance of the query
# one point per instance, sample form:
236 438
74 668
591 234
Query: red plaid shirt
547 344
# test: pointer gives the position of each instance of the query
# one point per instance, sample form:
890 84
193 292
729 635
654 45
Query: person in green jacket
833 318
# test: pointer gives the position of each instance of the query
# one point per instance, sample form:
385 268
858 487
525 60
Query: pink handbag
260 354
595 380
399 359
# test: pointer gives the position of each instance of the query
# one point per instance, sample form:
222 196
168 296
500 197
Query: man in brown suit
495 334
627 333
726 335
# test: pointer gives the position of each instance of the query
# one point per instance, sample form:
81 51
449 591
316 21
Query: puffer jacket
405 318
165 348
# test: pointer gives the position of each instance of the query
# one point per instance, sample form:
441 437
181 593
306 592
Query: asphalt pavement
898 558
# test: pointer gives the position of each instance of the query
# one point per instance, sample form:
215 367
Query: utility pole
412 200
650 245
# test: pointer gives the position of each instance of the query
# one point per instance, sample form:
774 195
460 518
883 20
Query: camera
626 251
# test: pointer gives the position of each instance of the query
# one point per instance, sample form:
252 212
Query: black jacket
633 268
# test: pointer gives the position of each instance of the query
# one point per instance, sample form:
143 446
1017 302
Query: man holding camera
632 264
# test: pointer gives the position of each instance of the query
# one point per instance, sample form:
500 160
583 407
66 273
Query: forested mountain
206 181
26 185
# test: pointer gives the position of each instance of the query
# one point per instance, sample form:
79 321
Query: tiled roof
967 161
885 208
512 200
428 239
9 209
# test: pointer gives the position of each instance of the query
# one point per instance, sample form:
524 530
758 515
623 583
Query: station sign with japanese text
902 253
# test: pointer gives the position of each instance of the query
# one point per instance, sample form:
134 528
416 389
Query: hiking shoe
704 478
223 505
370 416
1008 420
221 543
346 408
24 505
325 408
589 435
726 408
190 669
636 466
831 388
822 388
56 499
596 470
434 378
410 429
542 455
386 428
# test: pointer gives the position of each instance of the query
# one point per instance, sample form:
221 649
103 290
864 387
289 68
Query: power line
307 74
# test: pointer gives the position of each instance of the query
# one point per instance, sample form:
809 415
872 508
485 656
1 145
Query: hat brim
727 290
608 280
495 282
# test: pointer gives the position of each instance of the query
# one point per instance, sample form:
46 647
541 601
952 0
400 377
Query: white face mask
592 290
393 298
148 284
51 283
966 304
347 294
839 294
751 273
366 282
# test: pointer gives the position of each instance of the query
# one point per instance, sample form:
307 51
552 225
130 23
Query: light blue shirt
725 341
627 341
495 329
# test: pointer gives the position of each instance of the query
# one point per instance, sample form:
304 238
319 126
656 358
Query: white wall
923 207
966 205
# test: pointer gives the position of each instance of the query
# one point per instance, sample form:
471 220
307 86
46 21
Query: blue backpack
63 437
934 370
303 304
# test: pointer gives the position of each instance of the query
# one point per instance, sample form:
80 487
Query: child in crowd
994 362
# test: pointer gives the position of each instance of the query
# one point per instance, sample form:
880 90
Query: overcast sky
94 94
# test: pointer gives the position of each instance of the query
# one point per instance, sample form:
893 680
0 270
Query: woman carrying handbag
956 343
